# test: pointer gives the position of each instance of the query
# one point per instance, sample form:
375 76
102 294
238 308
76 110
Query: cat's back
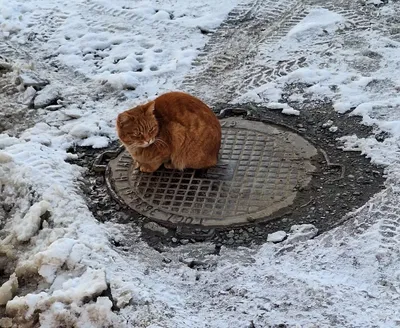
191 129
183 108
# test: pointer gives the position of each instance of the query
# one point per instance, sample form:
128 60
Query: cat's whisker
133 146
160 142
158 145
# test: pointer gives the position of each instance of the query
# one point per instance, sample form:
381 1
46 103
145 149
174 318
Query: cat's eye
152 129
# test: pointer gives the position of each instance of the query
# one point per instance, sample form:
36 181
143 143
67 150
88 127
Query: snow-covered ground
101 57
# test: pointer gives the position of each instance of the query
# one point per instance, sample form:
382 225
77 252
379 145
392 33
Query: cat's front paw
146 169
169 166
136 165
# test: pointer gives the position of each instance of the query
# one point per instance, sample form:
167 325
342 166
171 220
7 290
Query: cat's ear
123 118
150 107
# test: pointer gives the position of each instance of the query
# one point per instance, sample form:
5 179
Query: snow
274 105
28 96
113 55
333 128
327 124
91 282
83 130
269 93
6 141
276 237
51 259
131 59
46 97
290 111
95 142
317 20
4 158
301 232
286 109
30 223
8 289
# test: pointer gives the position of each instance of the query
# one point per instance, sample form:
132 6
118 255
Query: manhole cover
261 167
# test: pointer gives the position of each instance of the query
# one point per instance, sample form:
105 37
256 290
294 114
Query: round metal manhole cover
261 167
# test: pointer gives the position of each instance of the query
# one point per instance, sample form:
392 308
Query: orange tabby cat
176 129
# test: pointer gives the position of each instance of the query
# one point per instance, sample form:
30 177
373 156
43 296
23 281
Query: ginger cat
176 129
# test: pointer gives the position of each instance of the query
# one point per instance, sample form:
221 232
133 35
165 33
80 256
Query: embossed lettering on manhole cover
260 169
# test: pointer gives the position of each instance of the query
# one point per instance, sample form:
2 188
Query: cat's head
138 127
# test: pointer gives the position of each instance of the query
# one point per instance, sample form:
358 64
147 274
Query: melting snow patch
333 128
46 97
51 259
327 124
276 105
269 93
316 21
6 141
4 158
30 223
84 130
277 236
286 109
290 111
300 233
28 96
8 289
73 292
95 142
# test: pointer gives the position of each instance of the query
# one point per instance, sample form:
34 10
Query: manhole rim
147 210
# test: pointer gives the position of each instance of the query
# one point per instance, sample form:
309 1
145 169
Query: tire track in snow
227 66
229 56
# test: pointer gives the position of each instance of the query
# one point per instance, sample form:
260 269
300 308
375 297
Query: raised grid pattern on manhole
255 171
257 165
